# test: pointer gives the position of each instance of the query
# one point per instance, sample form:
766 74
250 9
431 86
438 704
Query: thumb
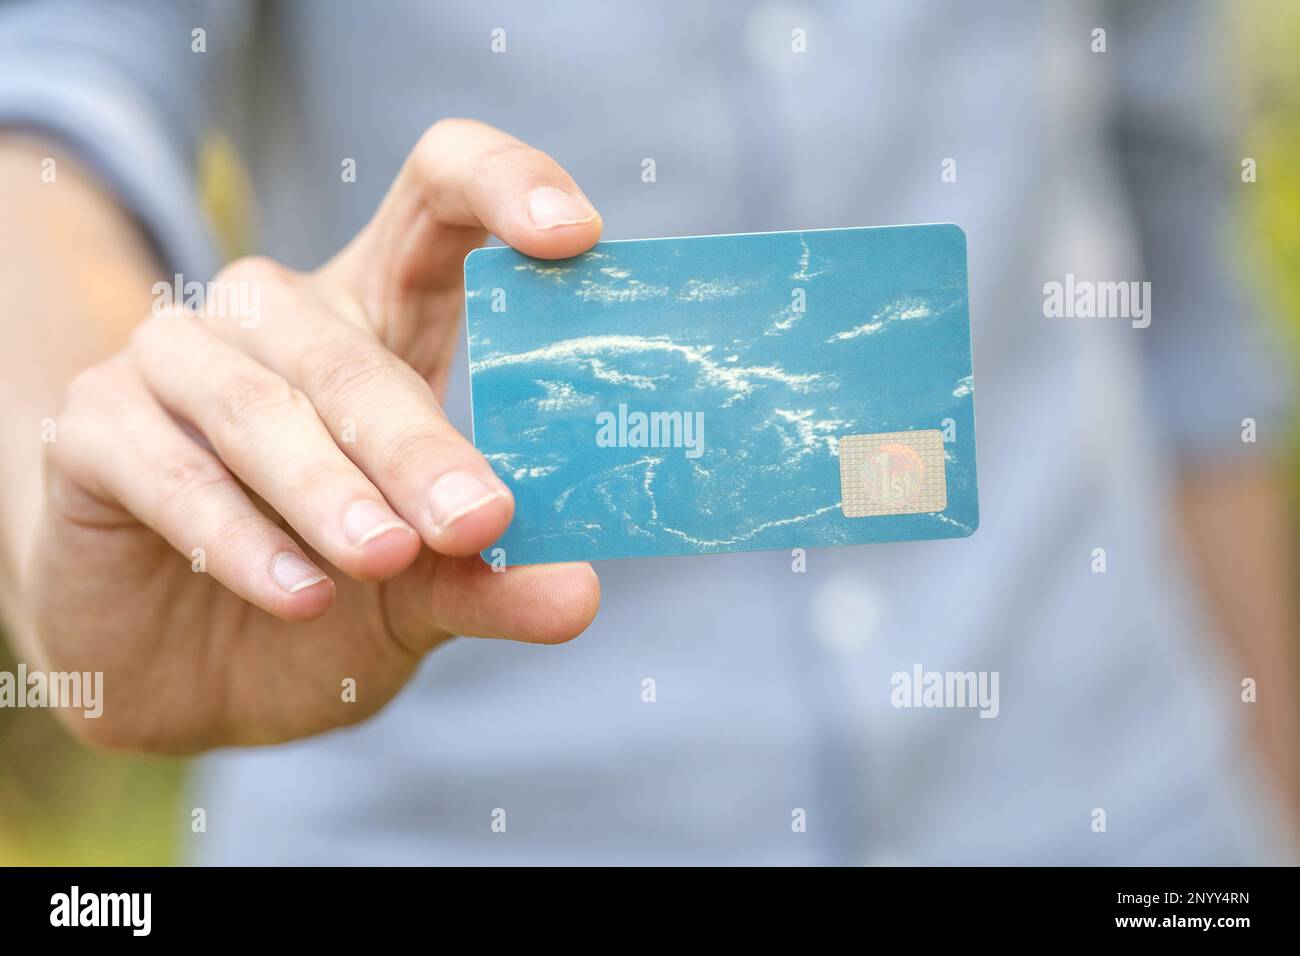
463 180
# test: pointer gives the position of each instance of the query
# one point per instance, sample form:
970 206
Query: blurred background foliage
1267 42
63 805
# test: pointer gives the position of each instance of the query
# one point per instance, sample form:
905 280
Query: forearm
1241 530
75 277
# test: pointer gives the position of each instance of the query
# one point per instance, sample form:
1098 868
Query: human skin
95 556
338 513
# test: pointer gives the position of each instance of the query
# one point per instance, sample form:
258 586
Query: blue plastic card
726 393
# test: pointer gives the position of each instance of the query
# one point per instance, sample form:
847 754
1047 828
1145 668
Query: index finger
463 180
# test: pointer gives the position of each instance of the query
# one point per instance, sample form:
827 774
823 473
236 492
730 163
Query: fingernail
550 207
456 494
365 520
293 573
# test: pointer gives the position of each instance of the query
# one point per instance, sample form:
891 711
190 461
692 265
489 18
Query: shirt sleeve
1210 351
121 85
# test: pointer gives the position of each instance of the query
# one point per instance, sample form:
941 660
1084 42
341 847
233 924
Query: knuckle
413 450
448 128
429 156
243 400
89 387
138 343
181 479
512 153
257 269
91 412
65 455
447 142
247 288
63 460
325 482
337 372
238 530
145 337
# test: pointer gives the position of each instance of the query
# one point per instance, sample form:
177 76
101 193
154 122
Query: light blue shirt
772 686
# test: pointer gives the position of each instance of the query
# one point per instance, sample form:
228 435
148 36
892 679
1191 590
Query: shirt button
846 613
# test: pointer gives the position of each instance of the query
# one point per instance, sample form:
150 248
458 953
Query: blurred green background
1267 43
63 805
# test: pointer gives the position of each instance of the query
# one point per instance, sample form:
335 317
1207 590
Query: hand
335 511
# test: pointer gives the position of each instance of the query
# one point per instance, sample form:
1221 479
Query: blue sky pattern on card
712 328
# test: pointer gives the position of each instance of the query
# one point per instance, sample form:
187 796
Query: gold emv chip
892 473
